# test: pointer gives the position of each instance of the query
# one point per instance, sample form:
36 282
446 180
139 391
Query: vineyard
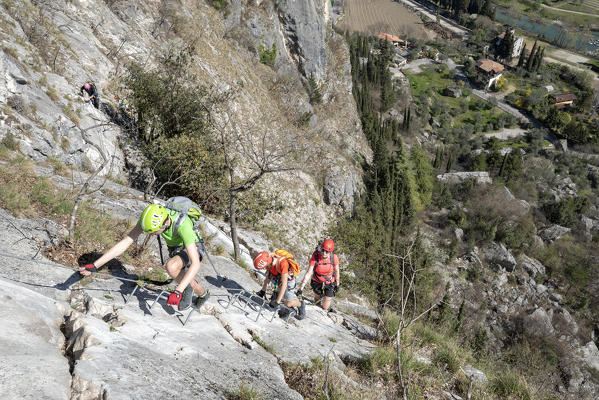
377 16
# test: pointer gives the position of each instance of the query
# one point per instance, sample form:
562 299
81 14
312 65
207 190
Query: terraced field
378 16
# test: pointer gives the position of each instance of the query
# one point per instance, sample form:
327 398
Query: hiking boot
186 298
331 310
283 312
202 299
301 314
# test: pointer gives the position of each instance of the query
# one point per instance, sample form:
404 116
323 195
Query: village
504 73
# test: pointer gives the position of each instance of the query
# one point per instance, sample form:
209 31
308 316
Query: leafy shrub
220 5
566 211
268 57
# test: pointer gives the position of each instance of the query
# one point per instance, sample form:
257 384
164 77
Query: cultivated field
382 16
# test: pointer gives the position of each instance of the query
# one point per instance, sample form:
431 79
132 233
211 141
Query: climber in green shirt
184 250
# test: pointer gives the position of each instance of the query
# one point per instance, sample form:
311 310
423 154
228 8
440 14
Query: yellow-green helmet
153 217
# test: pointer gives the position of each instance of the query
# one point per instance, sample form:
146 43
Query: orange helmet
328 245
262 260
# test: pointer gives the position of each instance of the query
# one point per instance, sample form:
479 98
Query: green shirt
184 236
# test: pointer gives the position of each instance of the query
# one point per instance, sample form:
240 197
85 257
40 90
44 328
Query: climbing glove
174 298
261 293
335 289
299 292
273 304
88 268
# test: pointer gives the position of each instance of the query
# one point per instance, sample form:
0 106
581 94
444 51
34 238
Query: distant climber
324 271
282 271
90 92
184 249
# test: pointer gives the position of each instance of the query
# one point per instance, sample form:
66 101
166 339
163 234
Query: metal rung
193 308
130 295
158 297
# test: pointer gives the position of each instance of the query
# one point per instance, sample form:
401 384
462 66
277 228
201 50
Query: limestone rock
590 355
531 266
553 232
340 187
474 374
498 256
33 365
538 323
459 177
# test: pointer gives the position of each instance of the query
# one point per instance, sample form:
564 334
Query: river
586 41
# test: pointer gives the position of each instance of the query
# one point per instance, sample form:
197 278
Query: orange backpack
294 267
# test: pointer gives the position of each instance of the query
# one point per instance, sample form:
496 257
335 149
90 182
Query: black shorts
323 288
181 251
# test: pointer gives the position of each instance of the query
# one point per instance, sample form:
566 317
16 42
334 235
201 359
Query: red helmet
262 260
328 245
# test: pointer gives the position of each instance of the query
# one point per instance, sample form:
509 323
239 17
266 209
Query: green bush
220 5
268 57
566 211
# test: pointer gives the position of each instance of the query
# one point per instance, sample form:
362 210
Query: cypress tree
539 58
522 56
531 57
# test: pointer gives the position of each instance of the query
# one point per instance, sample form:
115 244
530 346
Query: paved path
570 11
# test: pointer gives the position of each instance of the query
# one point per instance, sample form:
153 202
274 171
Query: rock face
553 232
498 256
340 187
511 305
116 350
531 266
40 77
31 341
459 177
538 323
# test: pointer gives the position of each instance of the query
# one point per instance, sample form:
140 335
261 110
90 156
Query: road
570 11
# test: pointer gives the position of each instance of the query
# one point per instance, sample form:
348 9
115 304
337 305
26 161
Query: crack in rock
76 341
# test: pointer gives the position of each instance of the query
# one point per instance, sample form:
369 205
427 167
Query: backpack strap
332 262
290 274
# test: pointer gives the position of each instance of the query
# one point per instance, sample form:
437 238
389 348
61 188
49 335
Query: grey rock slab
474 374
340 186
31 362
453 178
355 309
531 266
538 323
553 232
590 355
498 256
21 261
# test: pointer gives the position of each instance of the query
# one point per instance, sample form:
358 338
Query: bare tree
408 309
249 153
85 190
